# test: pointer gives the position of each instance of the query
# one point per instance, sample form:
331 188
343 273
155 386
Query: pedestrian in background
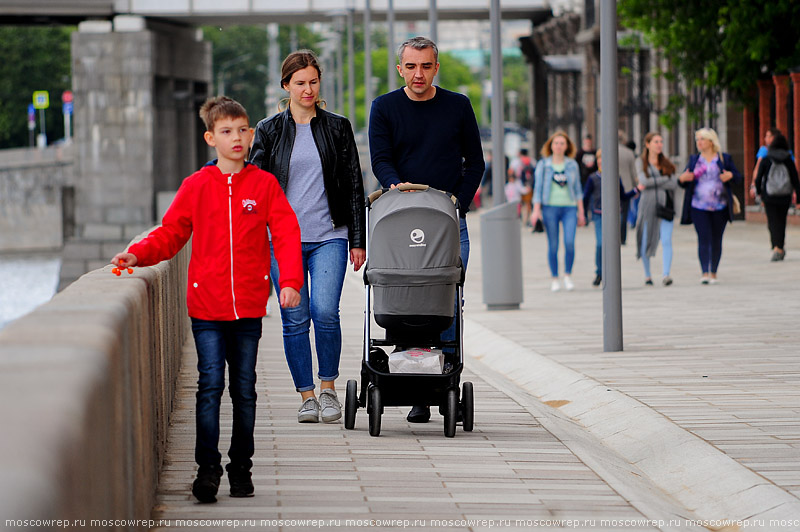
627 172
657 184
593 204
587 159
776 181
558 200
708 202
313 154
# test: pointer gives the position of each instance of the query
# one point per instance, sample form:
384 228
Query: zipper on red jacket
230 232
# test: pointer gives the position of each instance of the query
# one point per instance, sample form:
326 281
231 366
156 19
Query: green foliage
33 58
718 44
453 75
240 56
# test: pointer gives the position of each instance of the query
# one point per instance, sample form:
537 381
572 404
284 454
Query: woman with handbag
657 184
313 154
709 201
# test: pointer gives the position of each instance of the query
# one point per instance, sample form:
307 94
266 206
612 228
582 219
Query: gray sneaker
331 407
309 412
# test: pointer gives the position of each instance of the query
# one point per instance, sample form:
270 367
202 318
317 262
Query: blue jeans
665 236
324 266
237 343
710 226
598 247
450 333
551 217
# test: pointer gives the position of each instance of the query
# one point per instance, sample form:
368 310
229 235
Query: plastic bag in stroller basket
417 360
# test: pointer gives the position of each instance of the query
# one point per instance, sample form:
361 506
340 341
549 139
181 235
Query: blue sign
67 108
31 113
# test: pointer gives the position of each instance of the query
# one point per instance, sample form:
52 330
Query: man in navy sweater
425 134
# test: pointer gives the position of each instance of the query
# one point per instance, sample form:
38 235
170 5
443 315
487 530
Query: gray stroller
414 270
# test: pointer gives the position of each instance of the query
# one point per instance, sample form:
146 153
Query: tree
718 44
33 58
239 55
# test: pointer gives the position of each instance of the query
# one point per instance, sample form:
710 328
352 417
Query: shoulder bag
666 211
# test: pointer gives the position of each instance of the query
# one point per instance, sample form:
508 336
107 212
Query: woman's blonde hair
547 150
709 134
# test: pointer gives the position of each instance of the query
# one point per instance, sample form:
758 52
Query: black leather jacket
341 169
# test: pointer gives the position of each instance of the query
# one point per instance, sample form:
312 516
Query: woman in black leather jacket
313 155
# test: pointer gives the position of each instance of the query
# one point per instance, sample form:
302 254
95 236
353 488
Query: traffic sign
41 100
31 113
67 108
66 97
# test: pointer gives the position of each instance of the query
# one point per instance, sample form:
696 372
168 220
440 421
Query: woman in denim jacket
558 198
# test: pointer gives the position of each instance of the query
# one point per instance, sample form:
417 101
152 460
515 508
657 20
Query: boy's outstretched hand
289 297
124 260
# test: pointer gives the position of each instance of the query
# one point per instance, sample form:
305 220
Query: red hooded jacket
228 215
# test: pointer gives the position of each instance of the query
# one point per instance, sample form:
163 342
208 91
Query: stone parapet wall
31 196
87 383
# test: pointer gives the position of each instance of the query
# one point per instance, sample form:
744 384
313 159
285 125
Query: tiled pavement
720 362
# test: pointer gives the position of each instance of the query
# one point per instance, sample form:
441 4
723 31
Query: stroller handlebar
405 187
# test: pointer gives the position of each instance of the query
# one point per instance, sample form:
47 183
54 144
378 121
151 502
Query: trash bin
501 256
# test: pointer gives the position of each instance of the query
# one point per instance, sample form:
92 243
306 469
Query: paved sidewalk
708 403
706 391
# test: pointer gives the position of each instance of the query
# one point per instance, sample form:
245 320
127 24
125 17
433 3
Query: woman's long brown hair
664 165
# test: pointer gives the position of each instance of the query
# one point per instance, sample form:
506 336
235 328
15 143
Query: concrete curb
719 491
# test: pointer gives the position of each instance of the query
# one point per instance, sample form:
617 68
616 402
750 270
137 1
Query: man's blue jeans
551 217
450 333
237 343
324 266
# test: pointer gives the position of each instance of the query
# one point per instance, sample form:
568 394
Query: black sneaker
419 414
597 280
240 479
648 282
206 484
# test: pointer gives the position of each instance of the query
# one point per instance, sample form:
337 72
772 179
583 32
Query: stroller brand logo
418 239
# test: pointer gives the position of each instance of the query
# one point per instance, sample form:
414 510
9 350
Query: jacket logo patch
249 206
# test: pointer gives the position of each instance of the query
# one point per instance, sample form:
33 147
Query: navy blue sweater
434 142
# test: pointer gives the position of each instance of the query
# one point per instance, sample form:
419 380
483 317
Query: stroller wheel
374 410
467 405
350 404
451 414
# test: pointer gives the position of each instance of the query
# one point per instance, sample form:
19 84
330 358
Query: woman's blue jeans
324 266
710 226
665 232
551 217
449 334
237 343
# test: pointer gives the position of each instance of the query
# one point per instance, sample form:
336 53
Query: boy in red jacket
227 205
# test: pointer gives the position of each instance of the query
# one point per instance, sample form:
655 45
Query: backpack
778 183
526 175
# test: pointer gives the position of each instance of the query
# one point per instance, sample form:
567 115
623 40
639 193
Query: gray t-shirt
305 190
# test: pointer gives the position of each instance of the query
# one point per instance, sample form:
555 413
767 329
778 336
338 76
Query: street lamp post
609 121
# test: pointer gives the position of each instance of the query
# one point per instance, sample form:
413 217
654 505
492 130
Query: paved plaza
694 426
